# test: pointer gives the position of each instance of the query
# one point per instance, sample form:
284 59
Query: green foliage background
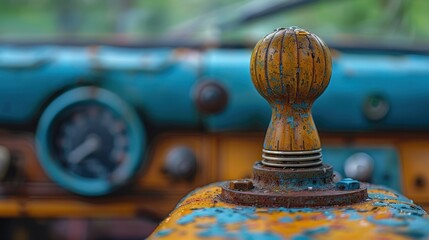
403 21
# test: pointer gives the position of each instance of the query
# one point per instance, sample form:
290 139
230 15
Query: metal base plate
293 199
291 187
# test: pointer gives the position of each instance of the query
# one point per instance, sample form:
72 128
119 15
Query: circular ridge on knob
291 68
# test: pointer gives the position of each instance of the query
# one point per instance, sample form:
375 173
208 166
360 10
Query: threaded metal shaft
292 159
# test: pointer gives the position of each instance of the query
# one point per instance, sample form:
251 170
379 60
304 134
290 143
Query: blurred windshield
222 21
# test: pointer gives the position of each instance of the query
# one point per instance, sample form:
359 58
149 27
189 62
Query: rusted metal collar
300 187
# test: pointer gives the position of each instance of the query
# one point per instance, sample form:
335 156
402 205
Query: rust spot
289 187
241 185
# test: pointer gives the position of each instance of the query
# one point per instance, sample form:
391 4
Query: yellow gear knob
291 68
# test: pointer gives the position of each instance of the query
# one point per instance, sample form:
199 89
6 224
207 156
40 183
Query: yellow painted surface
386 215
64 208
234 163
47 208
10 208
414 155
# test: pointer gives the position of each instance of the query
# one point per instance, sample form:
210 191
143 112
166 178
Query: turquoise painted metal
150 78
348 184
160 84
402 79
386 163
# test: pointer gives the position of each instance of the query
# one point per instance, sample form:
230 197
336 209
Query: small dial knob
419 182
376 107
211 97
291 68
181 163
359 166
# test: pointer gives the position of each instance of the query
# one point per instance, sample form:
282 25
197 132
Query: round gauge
90 141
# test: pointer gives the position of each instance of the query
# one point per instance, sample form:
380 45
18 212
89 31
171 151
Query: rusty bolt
241 185
348 184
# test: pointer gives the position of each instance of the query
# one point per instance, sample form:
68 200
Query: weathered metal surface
241 185
348 184
384 215
292 178
302 198
291 187
291 68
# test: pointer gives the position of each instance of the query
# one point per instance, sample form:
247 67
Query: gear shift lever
291 68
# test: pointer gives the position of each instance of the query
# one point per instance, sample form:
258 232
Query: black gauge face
91 140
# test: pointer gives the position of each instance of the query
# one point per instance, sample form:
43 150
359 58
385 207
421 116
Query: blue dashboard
192 90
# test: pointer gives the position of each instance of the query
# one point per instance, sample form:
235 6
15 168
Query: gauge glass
91 141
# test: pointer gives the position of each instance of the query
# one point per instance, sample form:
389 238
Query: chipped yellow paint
290 68
372 219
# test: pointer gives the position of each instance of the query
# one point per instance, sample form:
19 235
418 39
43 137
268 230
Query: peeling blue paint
301 237
291 121
247 235
347 184
388 222
315 231
380 204
286 219
418 229
329 215
279 103
296 184
274 79
399 209
292 210
308 234
300 106
398 196
381 196
353 214
304 115
406 219
227 216
164 232
309 128
222 215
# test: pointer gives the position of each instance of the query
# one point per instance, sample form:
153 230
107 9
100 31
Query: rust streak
297 67
258 45
312 56
324 57
281 63
266 60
